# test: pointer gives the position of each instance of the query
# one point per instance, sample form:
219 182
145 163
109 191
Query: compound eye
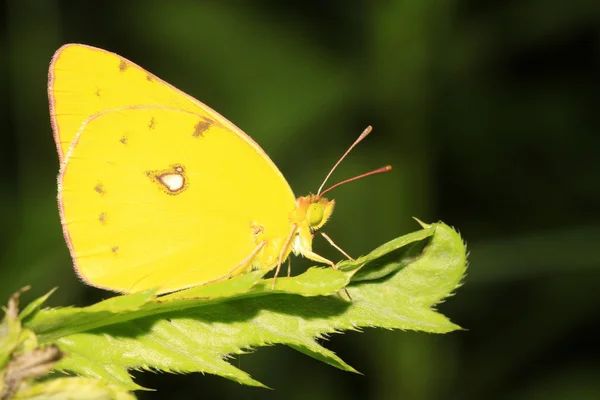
314 214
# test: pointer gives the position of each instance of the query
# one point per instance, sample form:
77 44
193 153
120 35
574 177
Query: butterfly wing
156 189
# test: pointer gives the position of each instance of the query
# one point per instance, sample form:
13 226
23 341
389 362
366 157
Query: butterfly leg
289 266
311 255
283 252
332 243
243 263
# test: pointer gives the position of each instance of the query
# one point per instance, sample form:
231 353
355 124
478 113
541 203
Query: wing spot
122 66
257 231
114 249
102 218
202 126
152 123
149 78
171 180
123 140
256 228
98 92
99 188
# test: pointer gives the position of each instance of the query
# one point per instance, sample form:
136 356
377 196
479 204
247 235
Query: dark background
486 110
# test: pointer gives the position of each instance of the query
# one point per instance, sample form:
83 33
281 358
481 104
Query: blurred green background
488 112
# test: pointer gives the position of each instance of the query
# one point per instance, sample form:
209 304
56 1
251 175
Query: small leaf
35 305
10 330
22 362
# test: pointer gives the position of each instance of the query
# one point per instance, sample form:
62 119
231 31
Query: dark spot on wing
201 127
99 188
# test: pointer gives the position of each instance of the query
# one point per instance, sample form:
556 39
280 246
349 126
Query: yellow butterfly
157 190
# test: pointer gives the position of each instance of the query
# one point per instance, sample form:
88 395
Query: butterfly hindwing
153 196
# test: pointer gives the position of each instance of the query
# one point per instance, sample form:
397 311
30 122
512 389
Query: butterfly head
312 211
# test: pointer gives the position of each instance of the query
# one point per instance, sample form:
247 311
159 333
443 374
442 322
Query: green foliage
395 286
23 361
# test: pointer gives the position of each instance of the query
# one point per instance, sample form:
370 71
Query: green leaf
196 330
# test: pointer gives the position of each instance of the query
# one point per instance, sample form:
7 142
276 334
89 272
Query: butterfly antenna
363 135
374 172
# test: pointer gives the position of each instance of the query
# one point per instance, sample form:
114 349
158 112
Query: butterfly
157 190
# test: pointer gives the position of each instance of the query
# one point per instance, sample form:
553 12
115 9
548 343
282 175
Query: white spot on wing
173 182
